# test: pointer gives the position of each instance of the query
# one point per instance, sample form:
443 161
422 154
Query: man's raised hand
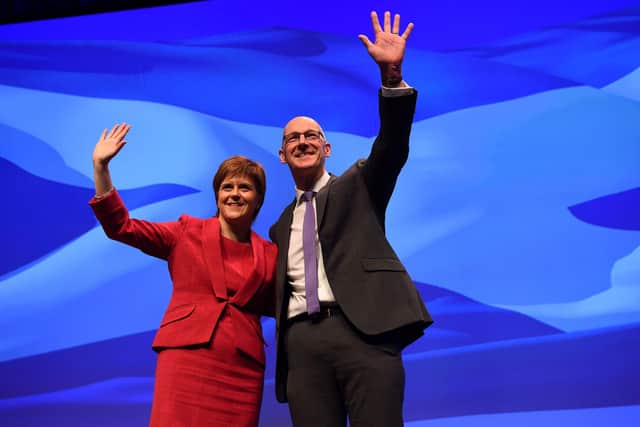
388 48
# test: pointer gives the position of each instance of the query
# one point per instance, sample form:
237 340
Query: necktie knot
307 196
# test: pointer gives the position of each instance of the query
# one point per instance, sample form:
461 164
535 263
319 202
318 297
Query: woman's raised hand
109 144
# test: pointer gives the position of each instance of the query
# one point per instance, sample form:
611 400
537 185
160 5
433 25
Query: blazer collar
282 236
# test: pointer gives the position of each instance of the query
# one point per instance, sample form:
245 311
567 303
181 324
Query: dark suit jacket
368 280
192 248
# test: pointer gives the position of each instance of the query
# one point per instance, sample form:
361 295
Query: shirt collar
324 179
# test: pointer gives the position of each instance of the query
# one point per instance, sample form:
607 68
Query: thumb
365 41
119 146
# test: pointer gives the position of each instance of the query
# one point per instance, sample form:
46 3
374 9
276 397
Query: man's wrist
391 75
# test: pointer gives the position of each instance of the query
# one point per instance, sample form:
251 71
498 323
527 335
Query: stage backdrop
517 214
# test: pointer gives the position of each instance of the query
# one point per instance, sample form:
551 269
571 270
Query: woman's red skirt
210 385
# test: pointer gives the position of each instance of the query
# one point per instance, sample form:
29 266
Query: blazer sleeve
153 238
390 149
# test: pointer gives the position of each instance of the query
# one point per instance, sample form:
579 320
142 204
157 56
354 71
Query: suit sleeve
390 149
153 238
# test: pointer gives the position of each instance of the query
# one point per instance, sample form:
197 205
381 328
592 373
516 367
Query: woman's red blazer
192 249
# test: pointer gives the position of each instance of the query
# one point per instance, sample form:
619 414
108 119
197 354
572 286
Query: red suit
210 347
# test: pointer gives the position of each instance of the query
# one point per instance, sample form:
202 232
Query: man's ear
327 149
283 159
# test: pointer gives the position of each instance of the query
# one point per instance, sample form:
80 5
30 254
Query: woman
211 358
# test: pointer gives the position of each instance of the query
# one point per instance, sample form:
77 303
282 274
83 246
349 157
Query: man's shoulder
282 219
354 169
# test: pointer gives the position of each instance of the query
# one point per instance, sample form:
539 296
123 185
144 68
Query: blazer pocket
382 264
178 313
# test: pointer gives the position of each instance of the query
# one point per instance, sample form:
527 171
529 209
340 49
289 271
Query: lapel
321 201
283 235
212 253
258 273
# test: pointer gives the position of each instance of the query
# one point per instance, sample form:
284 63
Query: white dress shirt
295 260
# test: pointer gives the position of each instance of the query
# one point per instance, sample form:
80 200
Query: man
346 307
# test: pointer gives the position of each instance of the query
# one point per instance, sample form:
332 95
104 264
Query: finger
387 21
365 41
114 129
118 131
375 22
396 24
122 132
407 31
104 134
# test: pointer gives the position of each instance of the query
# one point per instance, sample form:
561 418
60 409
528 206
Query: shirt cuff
392 92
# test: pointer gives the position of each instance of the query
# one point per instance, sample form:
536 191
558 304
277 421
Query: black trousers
336 372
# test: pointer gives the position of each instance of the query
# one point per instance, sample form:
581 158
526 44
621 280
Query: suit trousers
334 372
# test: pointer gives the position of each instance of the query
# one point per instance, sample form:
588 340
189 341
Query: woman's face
238 199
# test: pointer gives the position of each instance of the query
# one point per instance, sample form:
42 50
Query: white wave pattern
628 86
480 209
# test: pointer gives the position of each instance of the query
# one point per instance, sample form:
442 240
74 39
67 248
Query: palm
110 143
387 49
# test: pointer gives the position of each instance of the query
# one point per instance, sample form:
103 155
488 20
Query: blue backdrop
517 214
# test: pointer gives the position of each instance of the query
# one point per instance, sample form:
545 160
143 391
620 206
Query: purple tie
310 255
